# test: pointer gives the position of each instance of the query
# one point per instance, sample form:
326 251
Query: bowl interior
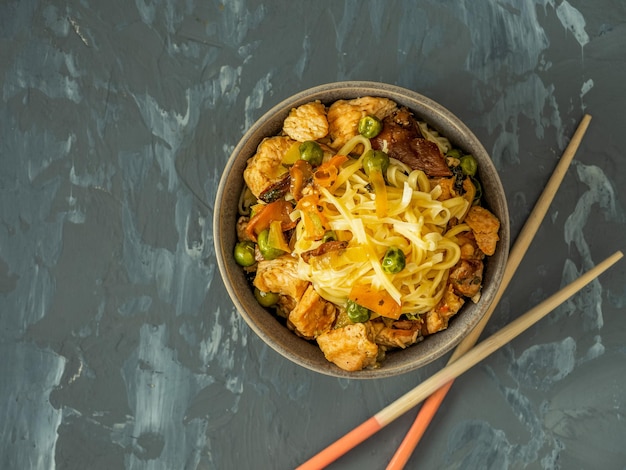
263 323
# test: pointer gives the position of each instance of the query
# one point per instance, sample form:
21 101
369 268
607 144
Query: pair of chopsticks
466 355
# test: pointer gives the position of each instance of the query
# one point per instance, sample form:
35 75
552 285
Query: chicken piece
307 122
350 348
313 315
401 334
265 167
280 275
485 226
466 277
469 248
344 116
437 319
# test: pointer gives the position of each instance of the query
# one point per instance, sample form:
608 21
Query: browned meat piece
437 319
351 348
429 158
344 116
400 334
265 166
469 248
307 122
324 248
402 140
280 275
313 315
485 226
466 277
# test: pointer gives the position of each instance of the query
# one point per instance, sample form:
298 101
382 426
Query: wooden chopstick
431 405
451 371
515 256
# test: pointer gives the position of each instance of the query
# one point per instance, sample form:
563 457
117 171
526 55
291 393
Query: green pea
357 313
370 126
375 160
244 253
454 153
311 152
329 236
394 260
469 165
266 299
268 251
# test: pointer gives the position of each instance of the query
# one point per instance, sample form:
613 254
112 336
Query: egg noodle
415 221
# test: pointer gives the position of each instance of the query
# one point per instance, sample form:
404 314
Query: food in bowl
362 228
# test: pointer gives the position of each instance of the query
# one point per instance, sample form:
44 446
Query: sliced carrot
379 301
277 210
326 173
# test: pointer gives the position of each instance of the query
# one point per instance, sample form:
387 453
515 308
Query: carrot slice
379 301
277 210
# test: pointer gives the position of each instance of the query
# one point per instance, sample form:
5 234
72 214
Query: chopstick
524 239
430 407
451 371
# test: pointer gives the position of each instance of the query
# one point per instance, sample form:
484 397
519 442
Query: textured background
119 346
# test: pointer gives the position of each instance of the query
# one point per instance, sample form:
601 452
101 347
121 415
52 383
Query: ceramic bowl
264 323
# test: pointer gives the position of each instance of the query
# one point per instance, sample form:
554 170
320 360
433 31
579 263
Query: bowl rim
455 130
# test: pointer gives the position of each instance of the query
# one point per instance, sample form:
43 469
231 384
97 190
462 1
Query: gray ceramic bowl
263 323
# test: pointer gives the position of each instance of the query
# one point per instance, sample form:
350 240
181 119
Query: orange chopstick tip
342 445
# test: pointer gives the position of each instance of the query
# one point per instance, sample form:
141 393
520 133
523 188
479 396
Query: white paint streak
573 21
255 100
159 390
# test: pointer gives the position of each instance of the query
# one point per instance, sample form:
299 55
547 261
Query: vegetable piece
375 161
327 172
276 190
268 251
379 301
394 260
300 174
276 238
454 153
315 224
469 165
370 126
329 236
310 151
375 164
266 299
292 155
244 253
357 313
277 210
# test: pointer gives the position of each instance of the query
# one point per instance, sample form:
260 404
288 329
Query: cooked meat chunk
344 116
466 277
280 275
400 334
485 226
307 122
313 315
264 167
402 140
351 347
437 319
